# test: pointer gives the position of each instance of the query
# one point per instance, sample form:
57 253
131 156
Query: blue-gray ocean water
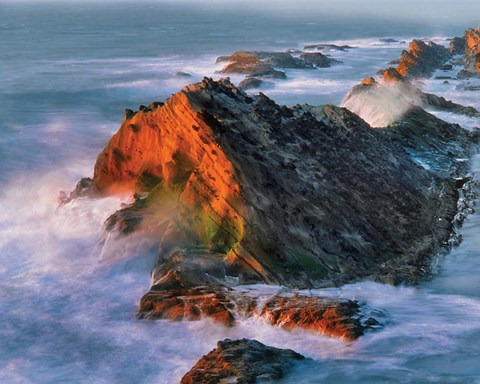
68 296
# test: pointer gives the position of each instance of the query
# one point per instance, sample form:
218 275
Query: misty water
69 294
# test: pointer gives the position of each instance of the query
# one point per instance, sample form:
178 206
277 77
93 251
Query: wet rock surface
239 190
384 102
258 188
243 362
320 315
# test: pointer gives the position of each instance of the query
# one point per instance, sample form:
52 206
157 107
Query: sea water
69 293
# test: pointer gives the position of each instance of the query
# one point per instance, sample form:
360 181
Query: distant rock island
262 65
240 190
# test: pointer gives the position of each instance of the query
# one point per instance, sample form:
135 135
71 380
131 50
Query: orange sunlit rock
318 315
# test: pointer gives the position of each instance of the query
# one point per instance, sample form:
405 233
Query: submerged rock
389 40
183 74
333 47
243 362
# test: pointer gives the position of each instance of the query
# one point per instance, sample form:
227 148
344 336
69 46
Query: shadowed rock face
243 362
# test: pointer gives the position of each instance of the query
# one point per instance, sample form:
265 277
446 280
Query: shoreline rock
246 236
242 361
421 59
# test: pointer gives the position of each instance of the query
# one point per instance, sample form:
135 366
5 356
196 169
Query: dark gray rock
389 41
183 74
440 103
252 83
457 46
318 60
264 64
331 47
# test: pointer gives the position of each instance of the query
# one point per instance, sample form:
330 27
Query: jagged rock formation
258 188
421 59
240 190
382 103
243 362
469 46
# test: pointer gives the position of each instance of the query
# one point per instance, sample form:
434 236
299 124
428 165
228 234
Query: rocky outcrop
440 103
243 362
421 59
317 60
320 315
457 46
222 159
434 143
264 64
255 65
327 47
471 54
253 82
257 187
289 310
240 190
